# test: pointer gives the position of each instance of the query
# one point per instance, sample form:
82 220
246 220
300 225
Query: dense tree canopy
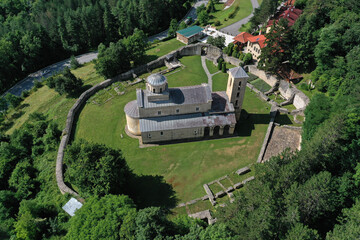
34 34
96 169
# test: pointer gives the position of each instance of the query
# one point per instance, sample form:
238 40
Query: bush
65 83
247 58
38 84
217 23
220 62
241 55
74 63
224 67
13 100
25 94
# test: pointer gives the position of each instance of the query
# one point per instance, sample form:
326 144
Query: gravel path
208 74
233 29
203 63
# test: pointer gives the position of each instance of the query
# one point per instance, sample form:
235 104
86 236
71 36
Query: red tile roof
290 3
291 14
242 37
260 39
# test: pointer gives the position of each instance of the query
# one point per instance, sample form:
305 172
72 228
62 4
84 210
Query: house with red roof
254 45
241 39
291 14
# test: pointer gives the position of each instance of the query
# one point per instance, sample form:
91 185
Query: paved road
191 13
28 82
233 29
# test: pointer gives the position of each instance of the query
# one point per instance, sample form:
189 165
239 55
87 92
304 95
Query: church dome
156 79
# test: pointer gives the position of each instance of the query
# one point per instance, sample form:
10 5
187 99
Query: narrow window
197 109
240 84
153 90
161 133
159 112
236 103
160 90
195 132
238 94
149 135
177 110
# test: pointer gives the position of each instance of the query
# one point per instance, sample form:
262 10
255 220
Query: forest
37 33
310 194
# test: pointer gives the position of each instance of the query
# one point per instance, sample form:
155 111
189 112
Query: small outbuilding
71 206
190 34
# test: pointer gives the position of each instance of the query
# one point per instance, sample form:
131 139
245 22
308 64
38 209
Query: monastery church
162 114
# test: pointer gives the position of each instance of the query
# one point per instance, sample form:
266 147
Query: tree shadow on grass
80 91
247 122
150 58
147 191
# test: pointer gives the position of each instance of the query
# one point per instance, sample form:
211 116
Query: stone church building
163 114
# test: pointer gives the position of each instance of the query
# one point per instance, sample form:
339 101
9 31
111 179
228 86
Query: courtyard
187 165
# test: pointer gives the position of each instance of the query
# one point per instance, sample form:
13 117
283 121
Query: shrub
74 63
224 67
38 84
217 23
25 94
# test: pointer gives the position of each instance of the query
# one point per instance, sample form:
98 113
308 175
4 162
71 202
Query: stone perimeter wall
189 50
288 91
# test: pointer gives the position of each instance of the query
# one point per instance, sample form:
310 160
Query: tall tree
276 50
173 28
110 25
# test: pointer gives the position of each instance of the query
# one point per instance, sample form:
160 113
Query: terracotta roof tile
242 37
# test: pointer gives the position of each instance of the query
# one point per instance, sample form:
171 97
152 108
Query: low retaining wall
269 79
268 134
287 90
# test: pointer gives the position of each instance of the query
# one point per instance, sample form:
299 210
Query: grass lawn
243 9
192 74
184 165
261 85
211 66
48 101
162 48
226 183
303 86
215 188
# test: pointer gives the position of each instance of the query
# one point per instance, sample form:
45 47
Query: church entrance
207 131
217 131
226 130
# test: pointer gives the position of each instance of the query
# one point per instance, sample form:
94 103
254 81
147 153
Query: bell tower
236 87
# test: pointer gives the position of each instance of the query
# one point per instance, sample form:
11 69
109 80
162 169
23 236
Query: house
190 34
161 114
291 14
254 46
241 39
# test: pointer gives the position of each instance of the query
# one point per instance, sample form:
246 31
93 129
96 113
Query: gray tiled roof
179 96
238 72
131 109
185 121
220 103
156 79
